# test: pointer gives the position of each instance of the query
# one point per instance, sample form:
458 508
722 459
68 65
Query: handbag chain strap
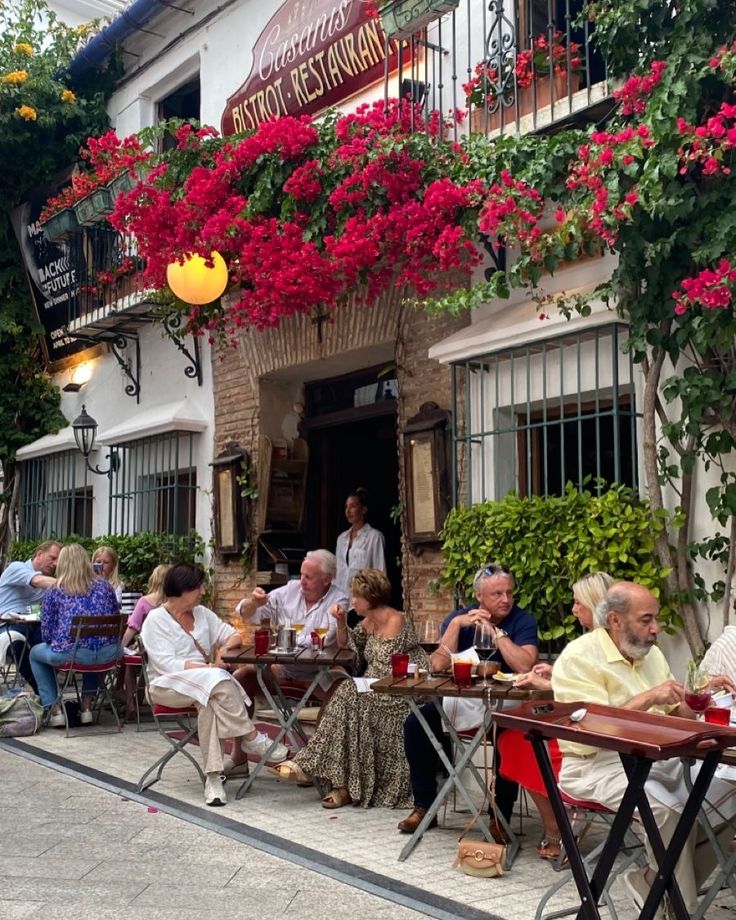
489 787
198 646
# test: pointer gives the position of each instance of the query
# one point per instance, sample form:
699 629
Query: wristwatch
501 633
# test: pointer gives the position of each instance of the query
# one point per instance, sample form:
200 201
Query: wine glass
429 635
299 632
485 645
322 633
697 694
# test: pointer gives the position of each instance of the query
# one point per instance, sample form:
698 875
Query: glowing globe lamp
193 281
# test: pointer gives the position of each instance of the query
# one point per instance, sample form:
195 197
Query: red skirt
519 764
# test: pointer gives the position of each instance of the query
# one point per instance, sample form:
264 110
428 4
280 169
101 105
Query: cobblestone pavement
77 838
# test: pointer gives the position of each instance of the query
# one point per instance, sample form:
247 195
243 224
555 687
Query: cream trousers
224 716
602 779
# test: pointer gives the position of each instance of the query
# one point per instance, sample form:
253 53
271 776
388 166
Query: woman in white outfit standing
184 642
359 547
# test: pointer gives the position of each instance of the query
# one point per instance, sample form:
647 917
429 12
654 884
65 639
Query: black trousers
424 762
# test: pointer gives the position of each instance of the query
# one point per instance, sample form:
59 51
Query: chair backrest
109 627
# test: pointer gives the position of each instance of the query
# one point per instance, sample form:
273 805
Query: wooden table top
642 734
331 657
443 685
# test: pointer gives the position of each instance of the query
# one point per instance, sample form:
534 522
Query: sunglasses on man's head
496 570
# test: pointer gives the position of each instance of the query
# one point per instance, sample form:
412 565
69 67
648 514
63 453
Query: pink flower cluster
602 212
706 145
545 57
711 289
635 92
512 209
383 218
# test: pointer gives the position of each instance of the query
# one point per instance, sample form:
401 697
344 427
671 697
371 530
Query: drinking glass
322 633
429 635
485 645
697 694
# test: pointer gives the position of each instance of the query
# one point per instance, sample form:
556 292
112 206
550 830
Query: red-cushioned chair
178 726
134 683
111 629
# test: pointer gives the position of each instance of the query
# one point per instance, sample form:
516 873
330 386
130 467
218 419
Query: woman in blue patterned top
78 592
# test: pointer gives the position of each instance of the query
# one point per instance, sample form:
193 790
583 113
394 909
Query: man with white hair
620 665
305 603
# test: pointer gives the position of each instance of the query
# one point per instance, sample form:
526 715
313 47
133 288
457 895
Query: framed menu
427 467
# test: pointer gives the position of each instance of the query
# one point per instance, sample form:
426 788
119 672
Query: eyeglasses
496 570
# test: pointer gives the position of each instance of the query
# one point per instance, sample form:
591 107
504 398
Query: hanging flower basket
95 208
404 18
61 226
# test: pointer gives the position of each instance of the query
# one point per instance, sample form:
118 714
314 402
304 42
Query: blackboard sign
52 275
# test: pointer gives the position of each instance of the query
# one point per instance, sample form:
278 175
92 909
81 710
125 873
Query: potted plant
61 225
540 75
404 18
95 207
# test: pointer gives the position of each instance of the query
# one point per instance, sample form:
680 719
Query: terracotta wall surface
399 329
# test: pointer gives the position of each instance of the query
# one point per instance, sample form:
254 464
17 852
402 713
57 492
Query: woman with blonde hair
153 597
358 747
518 762
78 592
106 563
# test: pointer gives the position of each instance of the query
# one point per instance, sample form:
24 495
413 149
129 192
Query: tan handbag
476 856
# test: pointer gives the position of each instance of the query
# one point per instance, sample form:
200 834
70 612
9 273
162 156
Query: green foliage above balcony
43 122
549 543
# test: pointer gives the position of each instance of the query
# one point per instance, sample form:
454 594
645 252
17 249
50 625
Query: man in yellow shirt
620 665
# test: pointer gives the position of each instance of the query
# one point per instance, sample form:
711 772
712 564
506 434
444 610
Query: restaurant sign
312 54
51 273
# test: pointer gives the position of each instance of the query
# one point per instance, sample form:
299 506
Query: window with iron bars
154 485
55 497
538 416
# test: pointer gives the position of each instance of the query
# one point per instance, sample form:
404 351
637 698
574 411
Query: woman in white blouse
184 642
359 547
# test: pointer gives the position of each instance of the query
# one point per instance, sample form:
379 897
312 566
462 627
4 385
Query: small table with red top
286 709
417 690
641 739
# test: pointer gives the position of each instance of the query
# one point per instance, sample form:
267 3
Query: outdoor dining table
641 739
417 690
287 709
726 857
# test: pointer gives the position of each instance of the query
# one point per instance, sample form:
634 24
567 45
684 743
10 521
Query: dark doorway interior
358 450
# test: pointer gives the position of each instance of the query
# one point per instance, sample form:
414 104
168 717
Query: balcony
109 298
515 66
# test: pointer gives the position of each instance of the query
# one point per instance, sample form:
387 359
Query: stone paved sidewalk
76 829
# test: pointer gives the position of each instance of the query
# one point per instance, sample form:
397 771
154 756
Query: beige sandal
291 771
336 798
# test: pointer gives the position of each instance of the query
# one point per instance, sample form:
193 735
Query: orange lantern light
193 281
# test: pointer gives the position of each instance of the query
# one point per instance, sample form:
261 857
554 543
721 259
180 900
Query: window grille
55 497
154 485
543 414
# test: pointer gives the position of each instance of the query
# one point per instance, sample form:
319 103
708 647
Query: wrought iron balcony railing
109 288
514 66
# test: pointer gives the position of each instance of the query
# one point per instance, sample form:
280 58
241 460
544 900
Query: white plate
505 678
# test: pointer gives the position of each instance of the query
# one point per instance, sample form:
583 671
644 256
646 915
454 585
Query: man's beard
635 648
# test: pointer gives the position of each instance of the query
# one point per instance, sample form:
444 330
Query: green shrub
139 553
549 543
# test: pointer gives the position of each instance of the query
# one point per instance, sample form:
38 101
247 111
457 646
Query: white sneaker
57 720
636 884
214 790
260 745
86 717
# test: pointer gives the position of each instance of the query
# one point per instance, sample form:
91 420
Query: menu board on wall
52 275
311 54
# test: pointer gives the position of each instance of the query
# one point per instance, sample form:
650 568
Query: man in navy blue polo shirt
515 634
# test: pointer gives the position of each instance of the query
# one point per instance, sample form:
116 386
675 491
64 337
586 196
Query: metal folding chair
110 628
9 667
583 816
178 726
